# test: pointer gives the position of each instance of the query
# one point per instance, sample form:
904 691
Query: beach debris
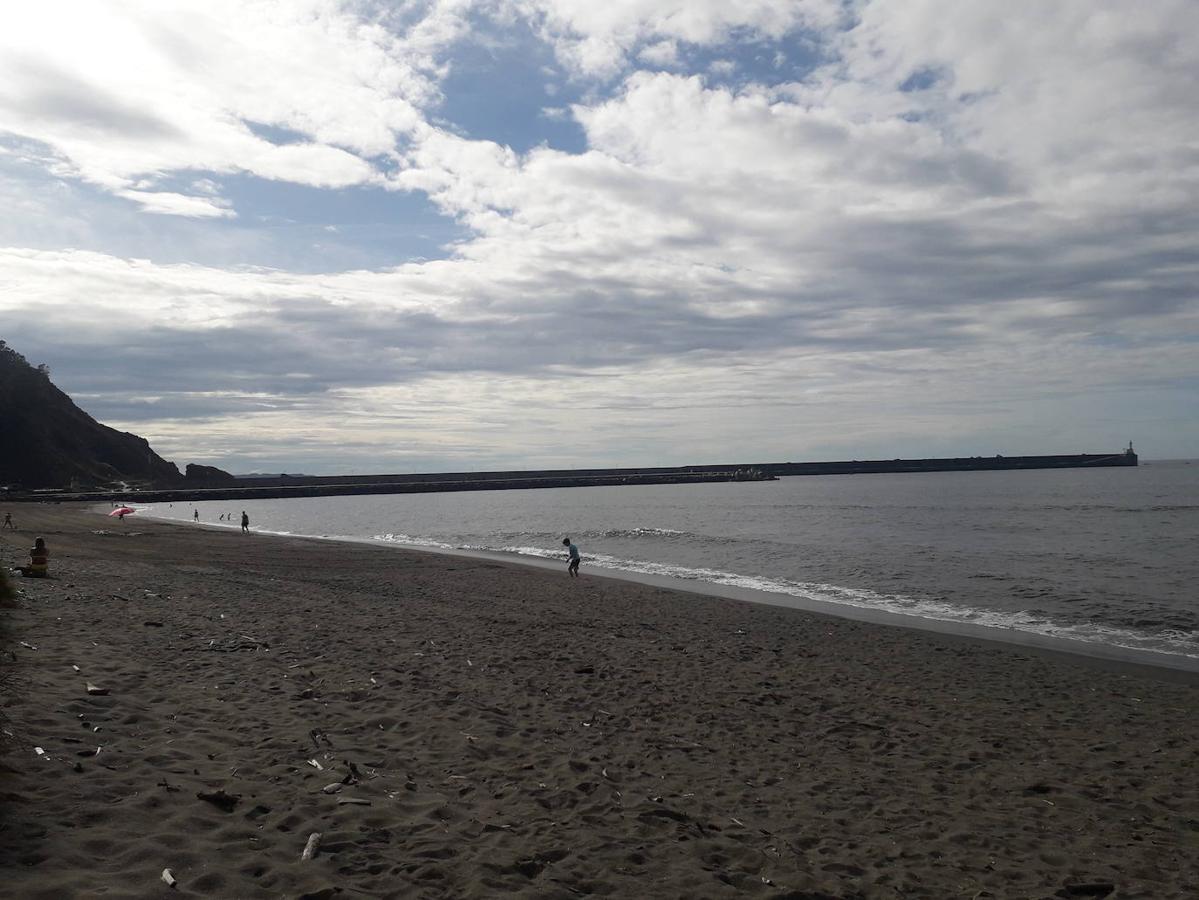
353 776
220 799
585 670
1086 889
333 788
96 691
169 878
327 893
152 624
119 597
310 848
316 765
39 751
352 801
95 752
27 645
76 668
234 644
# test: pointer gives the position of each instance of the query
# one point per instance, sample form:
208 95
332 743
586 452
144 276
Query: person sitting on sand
39 560
573 566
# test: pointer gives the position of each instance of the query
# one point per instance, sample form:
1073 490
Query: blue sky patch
500 84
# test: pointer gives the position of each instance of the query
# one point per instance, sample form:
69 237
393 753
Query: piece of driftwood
169 878
314 843
96 691
353 801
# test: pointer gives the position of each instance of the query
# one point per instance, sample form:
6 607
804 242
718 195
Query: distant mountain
46 441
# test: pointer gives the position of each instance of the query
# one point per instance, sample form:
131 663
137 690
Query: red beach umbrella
122 511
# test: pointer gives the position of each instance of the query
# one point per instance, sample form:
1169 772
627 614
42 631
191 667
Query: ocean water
1105 556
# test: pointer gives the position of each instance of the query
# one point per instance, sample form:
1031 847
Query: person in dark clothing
573 566
39 560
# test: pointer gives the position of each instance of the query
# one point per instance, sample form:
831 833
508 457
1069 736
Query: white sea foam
413 541
1179 643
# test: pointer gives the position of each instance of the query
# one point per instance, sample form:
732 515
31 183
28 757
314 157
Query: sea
1099 561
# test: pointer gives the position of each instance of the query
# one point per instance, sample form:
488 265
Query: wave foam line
862 598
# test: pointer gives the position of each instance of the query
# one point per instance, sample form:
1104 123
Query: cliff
46 441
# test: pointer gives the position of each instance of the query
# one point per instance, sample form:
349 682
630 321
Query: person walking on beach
245 522
8 521
573 566
195 515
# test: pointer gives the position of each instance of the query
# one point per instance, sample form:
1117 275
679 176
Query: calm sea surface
1101 555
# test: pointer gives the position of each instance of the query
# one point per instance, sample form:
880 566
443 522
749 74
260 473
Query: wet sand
455 727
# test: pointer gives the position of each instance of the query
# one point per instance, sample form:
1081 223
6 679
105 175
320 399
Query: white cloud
661 53
131 94
178 204
805 268
596 39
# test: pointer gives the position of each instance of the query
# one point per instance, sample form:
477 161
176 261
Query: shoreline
457 727
1172 666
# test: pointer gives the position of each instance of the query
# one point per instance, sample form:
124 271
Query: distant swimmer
245 522
573 566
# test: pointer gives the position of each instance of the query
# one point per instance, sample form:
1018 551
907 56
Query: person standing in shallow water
245 522
573 566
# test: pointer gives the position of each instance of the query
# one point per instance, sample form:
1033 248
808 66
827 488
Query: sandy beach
454 727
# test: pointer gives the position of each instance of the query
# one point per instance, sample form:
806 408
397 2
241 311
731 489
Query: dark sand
513 731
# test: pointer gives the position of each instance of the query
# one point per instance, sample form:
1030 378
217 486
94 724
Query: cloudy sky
423 235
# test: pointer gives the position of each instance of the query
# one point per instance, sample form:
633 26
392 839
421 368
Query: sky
338 236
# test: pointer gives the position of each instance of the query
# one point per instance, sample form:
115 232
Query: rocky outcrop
207 476
46 441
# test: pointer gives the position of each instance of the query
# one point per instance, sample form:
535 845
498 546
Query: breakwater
281 486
